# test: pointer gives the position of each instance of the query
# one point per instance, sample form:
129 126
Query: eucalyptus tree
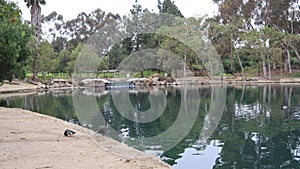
226 37
264 45
69 34
281 16
36 21
284 17
52 28
67 37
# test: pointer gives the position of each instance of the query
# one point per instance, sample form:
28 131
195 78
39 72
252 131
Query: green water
207 126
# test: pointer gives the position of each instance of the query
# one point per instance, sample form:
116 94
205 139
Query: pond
187 127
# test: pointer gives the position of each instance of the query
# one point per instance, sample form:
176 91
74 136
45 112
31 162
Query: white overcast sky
71 8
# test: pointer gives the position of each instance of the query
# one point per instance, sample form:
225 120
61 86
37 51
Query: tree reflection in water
254 132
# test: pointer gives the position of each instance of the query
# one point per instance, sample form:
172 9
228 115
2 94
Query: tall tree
36 21
68 35
267 20
14 36
169 7
48 58
135 25
64 57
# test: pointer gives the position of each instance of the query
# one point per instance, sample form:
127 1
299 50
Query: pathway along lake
206 126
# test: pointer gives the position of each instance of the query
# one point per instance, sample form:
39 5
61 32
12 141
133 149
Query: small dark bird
102 128
283 107
69 133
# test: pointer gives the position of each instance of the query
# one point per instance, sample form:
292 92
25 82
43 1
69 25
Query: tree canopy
14 36
261 34
169 7
252 38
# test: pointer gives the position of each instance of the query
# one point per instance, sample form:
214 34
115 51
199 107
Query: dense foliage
261 34
252 38
14 36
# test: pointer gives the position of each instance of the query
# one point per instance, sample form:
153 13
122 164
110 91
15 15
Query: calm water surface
208 126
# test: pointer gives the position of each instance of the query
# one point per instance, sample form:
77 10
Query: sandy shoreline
22 87
35 141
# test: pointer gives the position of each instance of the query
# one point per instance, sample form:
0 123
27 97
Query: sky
71 8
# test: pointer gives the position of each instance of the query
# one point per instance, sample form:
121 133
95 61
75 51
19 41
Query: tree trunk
231 53
184 69
296 52
142 73
269 67
241 65
264 66
285 66
289 60
36 20
34 68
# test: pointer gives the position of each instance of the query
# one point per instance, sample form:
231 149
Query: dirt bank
20 87
34 141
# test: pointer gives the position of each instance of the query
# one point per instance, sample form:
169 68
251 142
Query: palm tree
36 19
